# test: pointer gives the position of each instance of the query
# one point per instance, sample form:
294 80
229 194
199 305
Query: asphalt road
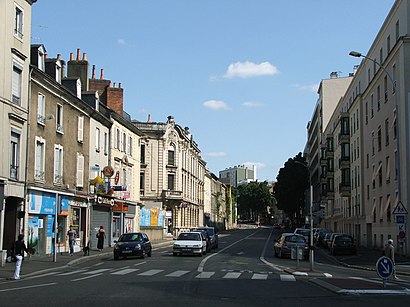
242 272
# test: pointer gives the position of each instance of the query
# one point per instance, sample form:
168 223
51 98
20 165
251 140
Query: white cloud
216 105
249 69
121 41
308 87
216 154
251 104
259 165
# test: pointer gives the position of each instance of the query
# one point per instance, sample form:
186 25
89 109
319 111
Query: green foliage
254 196
291 185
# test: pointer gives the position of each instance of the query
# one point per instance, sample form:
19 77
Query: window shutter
80 128
80 170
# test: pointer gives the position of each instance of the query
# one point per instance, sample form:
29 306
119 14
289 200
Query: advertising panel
42 203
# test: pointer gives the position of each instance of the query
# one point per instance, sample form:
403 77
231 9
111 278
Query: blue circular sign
384 267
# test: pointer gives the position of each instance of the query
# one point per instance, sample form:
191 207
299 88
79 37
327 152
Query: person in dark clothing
19 247
101 237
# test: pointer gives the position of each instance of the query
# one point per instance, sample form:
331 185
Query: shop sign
105 201
119 188
120 207
117 177
42 203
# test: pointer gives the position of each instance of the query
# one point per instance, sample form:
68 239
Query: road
242 272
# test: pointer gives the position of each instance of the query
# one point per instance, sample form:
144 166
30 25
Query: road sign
384 267
400 219
400 209
402 234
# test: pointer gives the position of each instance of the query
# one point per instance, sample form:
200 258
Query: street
242 272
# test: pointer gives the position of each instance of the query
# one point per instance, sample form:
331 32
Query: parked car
304 232
193 243
207 238
283 246
320 236
132 244
212 234
330 239
343 244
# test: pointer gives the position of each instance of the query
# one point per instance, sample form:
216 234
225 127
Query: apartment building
172 174
15 32
371 183
238 175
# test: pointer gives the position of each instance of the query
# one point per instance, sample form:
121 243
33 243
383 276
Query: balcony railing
58 178
60 128
39 175
41 119
172 194
14 172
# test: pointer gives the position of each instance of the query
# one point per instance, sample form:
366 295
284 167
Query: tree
291 185
254 198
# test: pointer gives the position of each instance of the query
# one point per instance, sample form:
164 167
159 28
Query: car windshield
343 239
188 236
210 231
127 237
295 239
304 232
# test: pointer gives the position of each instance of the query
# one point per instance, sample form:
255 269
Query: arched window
171 155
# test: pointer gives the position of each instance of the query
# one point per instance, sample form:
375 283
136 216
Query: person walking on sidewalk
101 237
19 247
71 234
390 253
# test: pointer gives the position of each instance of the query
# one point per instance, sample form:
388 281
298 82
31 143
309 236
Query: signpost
400 213
384 268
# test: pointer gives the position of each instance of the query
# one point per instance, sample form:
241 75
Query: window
105 143
394 125
378 98
371 106
80 170
124 142
14 154
381 56
367 113
41 107
386 128
379 138
117 138
18 23
142 153
388 44
345 148
39 173
386 97
41 64
372 143
58 72
80 131
129 145
142 181
59 118
397 30
387 169
97 139
171 155
58 164
16 83
171 182
380 174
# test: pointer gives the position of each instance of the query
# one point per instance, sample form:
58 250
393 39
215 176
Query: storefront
123 221
101 215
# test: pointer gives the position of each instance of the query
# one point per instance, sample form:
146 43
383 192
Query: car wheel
174 254
150 253
116 257
142 255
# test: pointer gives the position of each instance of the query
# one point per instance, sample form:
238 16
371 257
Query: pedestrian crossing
90 272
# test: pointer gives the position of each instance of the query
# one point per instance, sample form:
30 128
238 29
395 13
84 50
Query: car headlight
197 245
138 246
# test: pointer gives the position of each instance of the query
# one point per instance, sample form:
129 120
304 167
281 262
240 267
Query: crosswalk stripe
205 275
232 275
124 271
71 273
87 277
96 271
260 276
150 272
177 273
328 275
287 277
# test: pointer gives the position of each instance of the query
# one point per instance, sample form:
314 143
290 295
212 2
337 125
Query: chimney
149 118
93 73
115 99
334 74
78 68
102 74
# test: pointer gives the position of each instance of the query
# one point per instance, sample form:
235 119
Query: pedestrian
389 252
19 247
71 234
101 237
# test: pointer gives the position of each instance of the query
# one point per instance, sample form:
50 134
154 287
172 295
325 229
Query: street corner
359 286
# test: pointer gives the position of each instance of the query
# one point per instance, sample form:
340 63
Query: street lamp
311 246
394 93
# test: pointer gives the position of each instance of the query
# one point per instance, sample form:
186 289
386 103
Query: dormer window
78 85
41 64
58 71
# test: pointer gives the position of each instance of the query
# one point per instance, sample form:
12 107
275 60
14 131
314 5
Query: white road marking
287 277
297 273
232 275
177 273
150 272
71 273
96 271
259 276
139 263
87 277
124 271
204 275
240 253
28 287
327 275
43 275
97 264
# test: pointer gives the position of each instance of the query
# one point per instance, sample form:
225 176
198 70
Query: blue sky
241 74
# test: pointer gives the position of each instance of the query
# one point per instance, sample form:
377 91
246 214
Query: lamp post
311 246
394 93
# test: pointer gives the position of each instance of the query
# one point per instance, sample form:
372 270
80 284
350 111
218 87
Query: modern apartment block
15 32
238 175
366 142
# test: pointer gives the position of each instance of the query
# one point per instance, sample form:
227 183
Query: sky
241 74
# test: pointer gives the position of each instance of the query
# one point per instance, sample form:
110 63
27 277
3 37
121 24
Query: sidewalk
34 265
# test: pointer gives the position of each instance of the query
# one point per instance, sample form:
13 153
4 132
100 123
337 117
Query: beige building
15 32
172 174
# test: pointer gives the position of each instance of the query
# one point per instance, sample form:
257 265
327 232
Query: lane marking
71 273
96 271
87 277
287 277
139 263
257 276
204 275
29 287
98 264
177 274
42 275
328 275
124 271
150 272
232 275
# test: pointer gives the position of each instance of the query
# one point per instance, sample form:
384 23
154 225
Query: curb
351 266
